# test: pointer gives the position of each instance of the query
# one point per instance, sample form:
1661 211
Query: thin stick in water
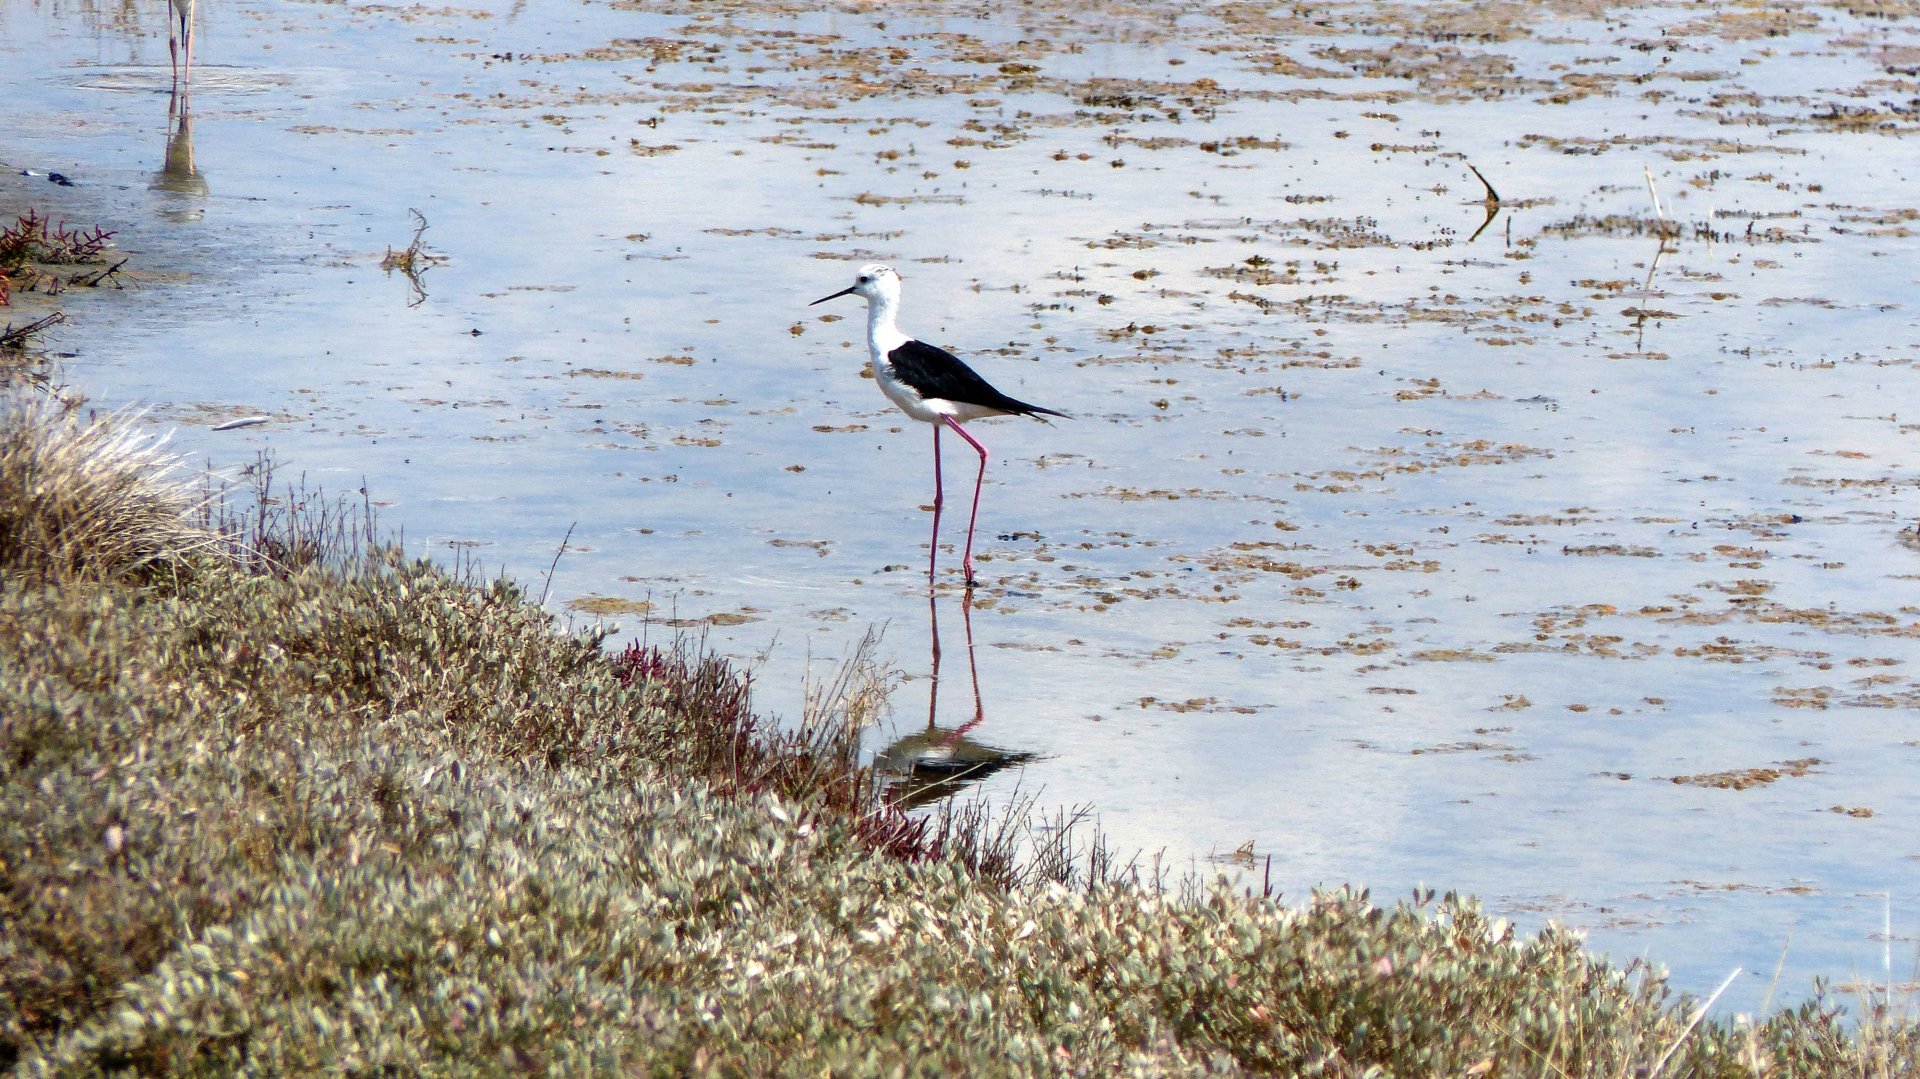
555 564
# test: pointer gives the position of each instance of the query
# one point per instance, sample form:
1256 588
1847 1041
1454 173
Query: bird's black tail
1021 408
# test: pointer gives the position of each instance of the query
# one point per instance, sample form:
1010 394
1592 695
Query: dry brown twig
414 260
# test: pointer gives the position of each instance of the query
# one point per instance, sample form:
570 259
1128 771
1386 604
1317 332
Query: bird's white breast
905 396
882 338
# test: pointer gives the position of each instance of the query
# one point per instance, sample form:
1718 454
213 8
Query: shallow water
1566 561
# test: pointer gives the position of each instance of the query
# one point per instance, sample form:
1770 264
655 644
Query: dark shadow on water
938 762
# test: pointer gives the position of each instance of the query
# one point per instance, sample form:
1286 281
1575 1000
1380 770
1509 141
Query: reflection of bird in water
934 763
931 385
178 174
180 42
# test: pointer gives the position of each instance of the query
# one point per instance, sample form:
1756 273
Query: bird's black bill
843 292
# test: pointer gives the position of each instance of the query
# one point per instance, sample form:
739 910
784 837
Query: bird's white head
876 282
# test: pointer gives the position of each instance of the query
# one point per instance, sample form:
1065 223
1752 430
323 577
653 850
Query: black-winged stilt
932 385
180 41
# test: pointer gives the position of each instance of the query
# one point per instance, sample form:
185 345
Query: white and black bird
180 43
932 385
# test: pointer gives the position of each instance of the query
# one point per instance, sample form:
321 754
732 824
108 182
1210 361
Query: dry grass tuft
88 498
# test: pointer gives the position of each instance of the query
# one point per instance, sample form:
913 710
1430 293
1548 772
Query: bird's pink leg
966 560
933 548
180 45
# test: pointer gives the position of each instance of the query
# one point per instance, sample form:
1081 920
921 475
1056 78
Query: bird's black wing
934 372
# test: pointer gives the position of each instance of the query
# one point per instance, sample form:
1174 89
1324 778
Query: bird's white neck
883 332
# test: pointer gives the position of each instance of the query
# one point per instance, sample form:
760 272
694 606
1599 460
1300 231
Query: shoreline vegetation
41 257
275 799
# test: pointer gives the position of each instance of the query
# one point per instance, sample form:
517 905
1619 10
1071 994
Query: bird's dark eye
864 279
